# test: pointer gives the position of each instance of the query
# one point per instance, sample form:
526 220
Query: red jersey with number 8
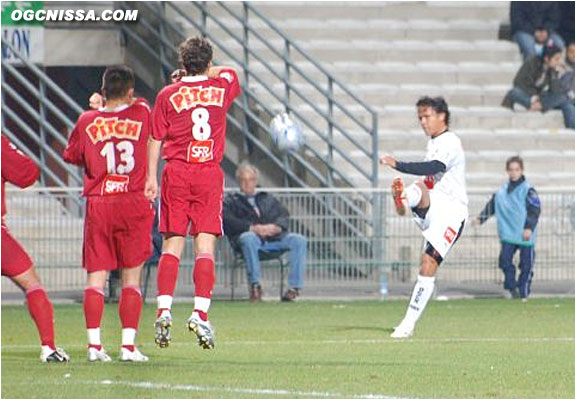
190 117
111 146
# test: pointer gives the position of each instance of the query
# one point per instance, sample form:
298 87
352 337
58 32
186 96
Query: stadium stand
389 54
392 53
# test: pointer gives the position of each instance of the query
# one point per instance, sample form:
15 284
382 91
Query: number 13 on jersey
200 150
126 150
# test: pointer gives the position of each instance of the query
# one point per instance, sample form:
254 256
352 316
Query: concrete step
343 27
493 161
343 50
404 118
482 167
357 72
67 47
472 139
369 10
384 94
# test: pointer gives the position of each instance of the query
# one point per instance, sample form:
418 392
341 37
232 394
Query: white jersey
451 184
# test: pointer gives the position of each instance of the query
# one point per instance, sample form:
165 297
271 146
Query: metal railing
328 116
158 37
32 107
54 240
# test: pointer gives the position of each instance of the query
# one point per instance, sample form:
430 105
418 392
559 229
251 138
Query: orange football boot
397 190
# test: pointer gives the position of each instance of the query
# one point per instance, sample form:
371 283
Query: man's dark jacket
527 79
239 215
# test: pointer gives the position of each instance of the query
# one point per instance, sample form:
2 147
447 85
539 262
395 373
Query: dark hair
195 55
117 81
550 51
438 104
515 159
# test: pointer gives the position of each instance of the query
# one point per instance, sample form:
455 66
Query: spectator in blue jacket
517 209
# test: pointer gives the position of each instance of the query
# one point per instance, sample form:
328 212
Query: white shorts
442 223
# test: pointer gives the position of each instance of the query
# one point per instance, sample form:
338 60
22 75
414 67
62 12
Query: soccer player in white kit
438 201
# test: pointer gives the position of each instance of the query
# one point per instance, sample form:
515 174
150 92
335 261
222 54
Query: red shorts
117 232
191 196
15 260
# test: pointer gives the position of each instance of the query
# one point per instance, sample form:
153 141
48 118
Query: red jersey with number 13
111 146
190 117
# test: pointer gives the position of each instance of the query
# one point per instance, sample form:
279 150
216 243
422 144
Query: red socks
130 307
167 274
204 275
93 307
204 283
42 313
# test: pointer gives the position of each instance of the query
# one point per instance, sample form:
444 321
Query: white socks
413 195
201 304
94 336
128 336
422 292
164 302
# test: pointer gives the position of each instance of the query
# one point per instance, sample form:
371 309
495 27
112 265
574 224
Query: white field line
336 341
227 389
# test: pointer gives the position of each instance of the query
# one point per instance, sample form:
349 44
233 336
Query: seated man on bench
256 221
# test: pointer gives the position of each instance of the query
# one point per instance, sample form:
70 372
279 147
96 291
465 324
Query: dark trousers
526 268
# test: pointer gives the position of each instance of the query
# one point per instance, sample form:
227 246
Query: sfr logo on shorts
200 151
449 235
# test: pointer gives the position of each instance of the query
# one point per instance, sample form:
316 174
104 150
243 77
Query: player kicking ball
189 126
438 201
17 265
110 143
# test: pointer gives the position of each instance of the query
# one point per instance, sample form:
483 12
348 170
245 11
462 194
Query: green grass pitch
486 348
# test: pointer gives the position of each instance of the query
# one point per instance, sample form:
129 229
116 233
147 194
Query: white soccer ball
286 133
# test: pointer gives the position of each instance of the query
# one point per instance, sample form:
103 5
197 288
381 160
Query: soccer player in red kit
110 143
17 265
189 125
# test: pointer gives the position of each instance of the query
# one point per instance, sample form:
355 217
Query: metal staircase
158 36
153 40
33 108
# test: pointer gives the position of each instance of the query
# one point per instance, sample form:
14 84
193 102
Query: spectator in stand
256 221
536 86
517 209
563 86
534 25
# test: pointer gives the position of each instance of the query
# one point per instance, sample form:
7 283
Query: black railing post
42 109
204 22
246 67
287 107
330 99
161 44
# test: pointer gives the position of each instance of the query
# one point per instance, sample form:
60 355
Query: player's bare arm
151 188
388 160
